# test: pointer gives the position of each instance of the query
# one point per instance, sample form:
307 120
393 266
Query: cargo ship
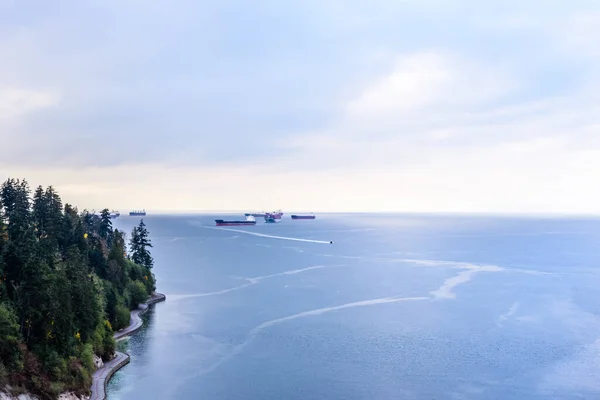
257 215
275 214
303 216
114 214
249 221
137 213
272 218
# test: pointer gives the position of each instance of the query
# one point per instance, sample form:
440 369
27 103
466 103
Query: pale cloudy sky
396 105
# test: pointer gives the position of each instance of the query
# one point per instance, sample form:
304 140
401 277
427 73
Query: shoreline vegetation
68 282
102 376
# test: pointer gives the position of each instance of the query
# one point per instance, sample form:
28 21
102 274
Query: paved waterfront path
102 376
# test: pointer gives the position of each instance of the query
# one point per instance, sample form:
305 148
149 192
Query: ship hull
220 222
257 215
303 217
137 214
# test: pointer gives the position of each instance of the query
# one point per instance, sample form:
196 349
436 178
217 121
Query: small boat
137 213
249 221
311 216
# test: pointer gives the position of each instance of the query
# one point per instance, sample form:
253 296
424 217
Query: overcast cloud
427 105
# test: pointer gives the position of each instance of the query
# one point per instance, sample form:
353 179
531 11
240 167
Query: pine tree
139 244
61 276
3 241
54 212
39 211
22 247
117 262
105 229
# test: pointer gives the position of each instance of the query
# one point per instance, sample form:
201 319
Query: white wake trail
271 236
319 311
176 297
292 272
254 332
512 310
251 281
445 291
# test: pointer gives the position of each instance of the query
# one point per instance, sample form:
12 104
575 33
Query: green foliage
65 285
108 344
9 338
3 375
142 274
137 293
55 365
85 354
122 317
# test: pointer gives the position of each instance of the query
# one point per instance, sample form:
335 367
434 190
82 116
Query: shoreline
102 376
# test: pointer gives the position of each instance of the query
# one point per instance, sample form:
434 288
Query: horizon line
397 212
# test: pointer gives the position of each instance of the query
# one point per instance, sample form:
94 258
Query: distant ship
303 216
275 214
257 214
271 218
137 213
114 214
249 221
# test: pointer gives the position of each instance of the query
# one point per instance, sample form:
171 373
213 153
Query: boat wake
251 281
444 291
272 236
319 311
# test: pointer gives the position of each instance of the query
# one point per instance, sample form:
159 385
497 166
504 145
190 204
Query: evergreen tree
116 262
139 244
54 213
21 249
47 218
9 338
39 211
105 229
86 308
3 241
65 283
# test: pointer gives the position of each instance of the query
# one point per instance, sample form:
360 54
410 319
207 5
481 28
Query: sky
374 105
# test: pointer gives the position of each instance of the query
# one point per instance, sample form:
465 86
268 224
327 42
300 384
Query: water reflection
138 346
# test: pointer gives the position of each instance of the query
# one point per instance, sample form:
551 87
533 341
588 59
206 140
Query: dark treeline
67 282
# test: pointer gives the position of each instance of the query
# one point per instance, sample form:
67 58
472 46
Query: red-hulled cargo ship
303 217
275 214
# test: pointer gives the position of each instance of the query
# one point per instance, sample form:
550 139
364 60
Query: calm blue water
399 307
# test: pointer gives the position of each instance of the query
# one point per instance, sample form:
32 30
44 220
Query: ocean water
399 307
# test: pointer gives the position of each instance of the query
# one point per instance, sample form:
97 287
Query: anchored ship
271 218
137 213
249 221
257 214
114 214
311 216
275 214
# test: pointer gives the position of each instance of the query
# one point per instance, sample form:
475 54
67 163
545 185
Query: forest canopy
67 282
